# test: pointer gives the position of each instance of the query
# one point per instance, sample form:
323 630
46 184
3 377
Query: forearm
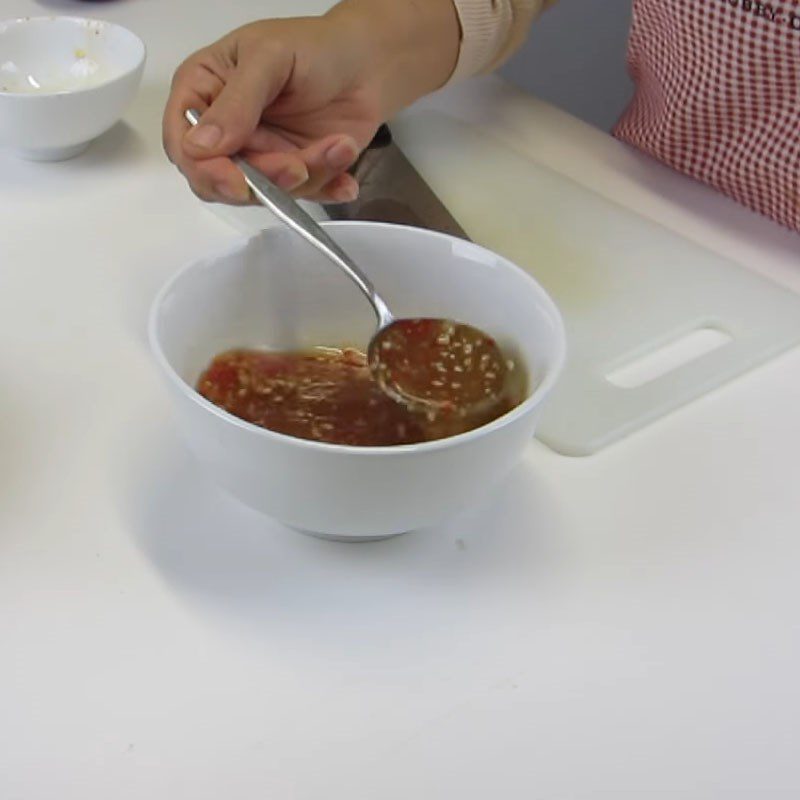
492 31
412 46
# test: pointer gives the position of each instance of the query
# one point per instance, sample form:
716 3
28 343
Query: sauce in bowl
330 395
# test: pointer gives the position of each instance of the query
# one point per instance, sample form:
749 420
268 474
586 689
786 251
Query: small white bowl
63 82
274 290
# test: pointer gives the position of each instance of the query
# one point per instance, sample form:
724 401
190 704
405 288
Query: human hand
300 98
286 96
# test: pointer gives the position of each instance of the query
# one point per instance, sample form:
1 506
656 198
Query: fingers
322 162
326 161
219 180
317 172
196 85
256 80
343 189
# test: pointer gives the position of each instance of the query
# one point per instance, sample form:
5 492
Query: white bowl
274 290
63 82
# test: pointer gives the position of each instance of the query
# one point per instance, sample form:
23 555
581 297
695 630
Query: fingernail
205 136
342 154
290 178
229 193
347 194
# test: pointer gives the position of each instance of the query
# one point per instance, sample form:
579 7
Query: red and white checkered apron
718 96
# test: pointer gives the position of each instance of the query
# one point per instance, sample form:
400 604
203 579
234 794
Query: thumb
257 80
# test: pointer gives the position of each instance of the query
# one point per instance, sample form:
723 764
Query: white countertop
626 623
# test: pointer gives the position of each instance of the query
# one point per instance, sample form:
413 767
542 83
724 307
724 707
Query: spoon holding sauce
439 367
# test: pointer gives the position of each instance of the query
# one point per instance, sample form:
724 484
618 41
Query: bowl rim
542 389
83 21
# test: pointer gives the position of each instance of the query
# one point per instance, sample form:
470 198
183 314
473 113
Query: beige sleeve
491 31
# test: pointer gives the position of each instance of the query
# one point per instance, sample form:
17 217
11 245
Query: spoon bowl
445 369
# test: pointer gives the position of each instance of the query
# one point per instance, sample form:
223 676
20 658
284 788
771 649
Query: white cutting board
625 285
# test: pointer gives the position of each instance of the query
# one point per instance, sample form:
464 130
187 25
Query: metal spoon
436 366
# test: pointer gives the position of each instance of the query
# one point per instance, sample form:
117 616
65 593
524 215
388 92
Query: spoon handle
286 208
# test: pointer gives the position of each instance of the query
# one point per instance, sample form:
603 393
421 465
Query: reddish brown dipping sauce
439 365
328 395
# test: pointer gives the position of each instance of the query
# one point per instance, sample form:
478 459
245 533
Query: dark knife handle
382 138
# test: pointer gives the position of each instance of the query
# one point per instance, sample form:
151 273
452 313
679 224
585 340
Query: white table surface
622 625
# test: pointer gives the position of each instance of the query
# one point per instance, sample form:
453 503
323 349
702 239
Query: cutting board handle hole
657 363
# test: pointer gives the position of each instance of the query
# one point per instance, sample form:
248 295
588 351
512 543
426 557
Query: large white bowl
63 82
274 290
